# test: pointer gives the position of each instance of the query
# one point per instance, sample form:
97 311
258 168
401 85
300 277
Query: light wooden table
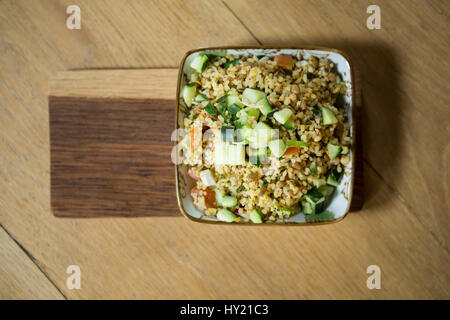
403 228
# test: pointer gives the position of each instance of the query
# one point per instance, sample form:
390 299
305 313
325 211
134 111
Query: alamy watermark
374 280
74 280
74 20
374 20
227 146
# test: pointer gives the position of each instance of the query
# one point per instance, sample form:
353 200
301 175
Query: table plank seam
34 261
241 22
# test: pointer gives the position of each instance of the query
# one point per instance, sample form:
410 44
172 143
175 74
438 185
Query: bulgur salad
264 137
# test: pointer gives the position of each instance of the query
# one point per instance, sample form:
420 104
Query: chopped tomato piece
208 194
284 61
291 150
192 174
191 139
195 138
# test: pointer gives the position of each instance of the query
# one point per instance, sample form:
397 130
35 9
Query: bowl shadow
378 114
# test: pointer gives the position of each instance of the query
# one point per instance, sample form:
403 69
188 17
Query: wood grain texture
175 258
405 85
111 157
19 276
116 83
110 142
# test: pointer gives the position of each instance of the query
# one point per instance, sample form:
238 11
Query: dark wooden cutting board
110 143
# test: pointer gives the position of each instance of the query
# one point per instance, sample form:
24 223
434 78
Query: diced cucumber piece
328 116
313 201
234 109
253 112
317 198
227 133
331 180
210 109
261 136
313 169
256 142
219 197
289 124
199 62
283 115
240 123
253 95
264 126
296 143
258 98
240 104
200 98
321 206
229 153
314 207
333 150
255 216
314 196
223 111
264 106
243 115
307 207
327 191
336 174
242 119
264 132
222 99
232 99
226 215
245 132
317 207
229 201
189 93
277 147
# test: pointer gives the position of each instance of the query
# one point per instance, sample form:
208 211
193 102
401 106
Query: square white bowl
339 204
